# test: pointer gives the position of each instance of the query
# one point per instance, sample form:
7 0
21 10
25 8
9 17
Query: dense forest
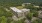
19 2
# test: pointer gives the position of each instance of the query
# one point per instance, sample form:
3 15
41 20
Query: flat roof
15 9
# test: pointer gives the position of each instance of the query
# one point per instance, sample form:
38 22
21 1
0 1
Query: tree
40 6
3 19
29 16
37 21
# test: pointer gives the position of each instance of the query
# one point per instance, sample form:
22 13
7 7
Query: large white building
19 13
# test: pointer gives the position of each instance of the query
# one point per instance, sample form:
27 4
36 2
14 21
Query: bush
4 20
29 16
37 21
20 21
35 14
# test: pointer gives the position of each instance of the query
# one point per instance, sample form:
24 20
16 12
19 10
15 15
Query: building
25 4
16 11
26 11
40 14
36 6
19 13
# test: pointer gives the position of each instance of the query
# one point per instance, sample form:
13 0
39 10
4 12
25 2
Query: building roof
19 10
26 3
36 6
15 9
24 10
